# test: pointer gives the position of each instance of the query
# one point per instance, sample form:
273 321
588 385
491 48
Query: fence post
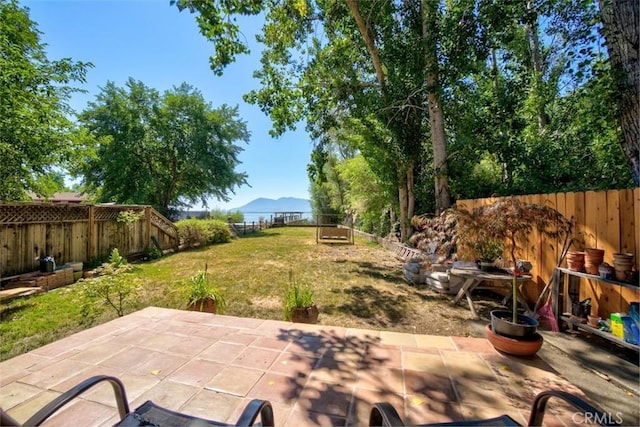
90 233
147 225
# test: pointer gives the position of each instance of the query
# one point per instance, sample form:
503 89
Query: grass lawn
357 286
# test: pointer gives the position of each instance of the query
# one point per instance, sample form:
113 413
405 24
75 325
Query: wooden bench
334 233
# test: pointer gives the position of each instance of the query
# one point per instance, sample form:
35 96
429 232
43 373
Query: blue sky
162 47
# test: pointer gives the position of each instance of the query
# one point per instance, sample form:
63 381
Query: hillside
283 204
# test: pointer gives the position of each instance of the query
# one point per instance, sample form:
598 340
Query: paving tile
59 348
212 405
481 393
19 367
91 371
26 409
334 371
294 365
80 413
213 332
397 338
168 394
159 364
196 372
15 393
234 380
426 384
421 410
55 373
473 412
473 345
389 356
301 417
128 358
467 365
308 346
326 398
270 343
434 341
239 338
423 362
256 358
390 380
95 354
365 335
364 399
277 388
222 352
281 412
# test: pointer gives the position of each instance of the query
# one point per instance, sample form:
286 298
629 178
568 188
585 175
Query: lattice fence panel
110 213
22 213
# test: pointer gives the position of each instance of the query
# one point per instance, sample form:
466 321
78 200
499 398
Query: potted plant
205 297
510 221
47 264
488 251
298 303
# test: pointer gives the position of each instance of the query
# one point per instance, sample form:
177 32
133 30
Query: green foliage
115 287
297 296
129 217
152 253
35 128
201 290
200 232
488 249
236 216
167 150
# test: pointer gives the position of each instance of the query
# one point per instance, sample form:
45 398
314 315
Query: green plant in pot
488 251
205 297
298 303
511 221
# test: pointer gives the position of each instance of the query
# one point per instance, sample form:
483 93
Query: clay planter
207 306
501 324
575 261
513 346
305 314
592 259
622 263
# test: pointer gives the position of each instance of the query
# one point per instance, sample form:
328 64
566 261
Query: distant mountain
283 204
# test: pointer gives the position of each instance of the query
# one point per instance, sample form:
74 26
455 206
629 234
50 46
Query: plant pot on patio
502 324
206 305
512 346
305 315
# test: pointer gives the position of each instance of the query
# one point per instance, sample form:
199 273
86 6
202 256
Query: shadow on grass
8 311
255 234
377 272
380 308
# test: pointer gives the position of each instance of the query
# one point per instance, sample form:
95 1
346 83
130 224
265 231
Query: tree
168 150
35 129
621 28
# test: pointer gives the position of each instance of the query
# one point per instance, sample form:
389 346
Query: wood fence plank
611 236
628 222
636 210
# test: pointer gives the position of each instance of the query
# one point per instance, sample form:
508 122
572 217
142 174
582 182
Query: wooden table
473 277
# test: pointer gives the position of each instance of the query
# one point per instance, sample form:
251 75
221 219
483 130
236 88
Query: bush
236 216
200 232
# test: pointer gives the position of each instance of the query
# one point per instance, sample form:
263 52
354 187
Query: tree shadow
377 272
325 387
379 307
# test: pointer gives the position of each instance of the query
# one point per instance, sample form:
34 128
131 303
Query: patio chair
148 414
384 414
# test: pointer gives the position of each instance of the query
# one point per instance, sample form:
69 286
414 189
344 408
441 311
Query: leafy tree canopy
35 129
167 150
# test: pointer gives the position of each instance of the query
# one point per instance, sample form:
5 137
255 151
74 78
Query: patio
211 366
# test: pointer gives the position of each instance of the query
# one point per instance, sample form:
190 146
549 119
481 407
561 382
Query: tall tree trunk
531 30
436 116
404 203
620 19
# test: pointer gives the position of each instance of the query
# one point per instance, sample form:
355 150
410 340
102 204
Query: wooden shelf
607 335
598 278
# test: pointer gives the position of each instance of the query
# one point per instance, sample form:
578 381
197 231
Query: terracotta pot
622 263
513 346
305 315
207 306
592 259
593 321
575 261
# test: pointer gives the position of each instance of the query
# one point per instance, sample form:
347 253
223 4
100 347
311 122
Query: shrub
199 232
236 216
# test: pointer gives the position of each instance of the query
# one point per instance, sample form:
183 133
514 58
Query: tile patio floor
211 366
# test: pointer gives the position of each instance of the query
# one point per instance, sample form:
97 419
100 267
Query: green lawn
357 285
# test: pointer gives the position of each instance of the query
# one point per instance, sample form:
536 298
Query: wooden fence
76 232
604 219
